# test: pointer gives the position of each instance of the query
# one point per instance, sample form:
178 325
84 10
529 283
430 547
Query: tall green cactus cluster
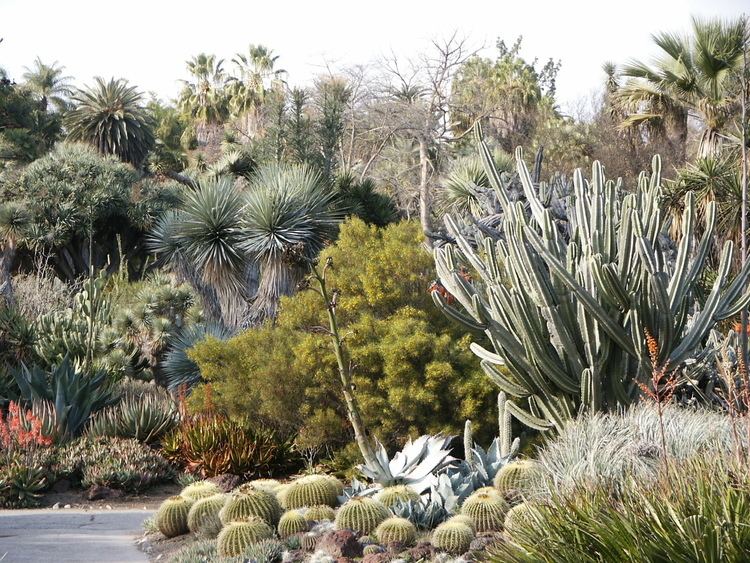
567 304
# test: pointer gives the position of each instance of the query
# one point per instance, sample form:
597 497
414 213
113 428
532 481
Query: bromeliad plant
566 304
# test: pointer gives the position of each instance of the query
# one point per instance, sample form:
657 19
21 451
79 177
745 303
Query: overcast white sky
148 41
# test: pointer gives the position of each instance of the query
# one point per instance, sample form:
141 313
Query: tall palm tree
257 75
49 83
204 98
692 78
111 117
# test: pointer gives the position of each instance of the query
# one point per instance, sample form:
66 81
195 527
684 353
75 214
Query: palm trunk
425 193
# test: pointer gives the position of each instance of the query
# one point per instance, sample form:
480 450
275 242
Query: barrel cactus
311 491
172 516
372 549
361 515
235 537
203 517
463 519
391 496
517 477
396 529
487 508
270 485
200 489
337 485
452 537
320 513
248 500
291 523
516 517
309 541
281 492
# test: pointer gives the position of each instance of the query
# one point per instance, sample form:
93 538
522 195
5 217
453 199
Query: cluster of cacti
200 489
248 500
281 492
203 518
319 513
336 484
265 551
518 477
487 509
396 529
567 301
270 485
292 522
515 517
361 515
312 490
452 537
390 496
235 537
464 519
172 516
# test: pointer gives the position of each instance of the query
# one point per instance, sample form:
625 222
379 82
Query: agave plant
111 116
432 508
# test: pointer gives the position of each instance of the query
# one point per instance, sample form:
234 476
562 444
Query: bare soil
76 498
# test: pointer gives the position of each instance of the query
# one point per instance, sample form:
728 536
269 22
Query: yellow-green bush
414 371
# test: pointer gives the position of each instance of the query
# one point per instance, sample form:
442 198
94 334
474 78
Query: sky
148 41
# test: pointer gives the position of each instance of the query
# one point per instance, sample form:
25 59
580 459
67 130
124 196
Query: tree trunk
7 256
425 192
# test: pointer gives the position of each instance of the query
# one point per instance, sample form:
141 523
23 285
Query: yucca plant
111 117
178 370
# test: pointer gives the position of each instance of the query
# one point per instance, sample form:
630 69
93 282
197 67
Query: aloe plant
566 305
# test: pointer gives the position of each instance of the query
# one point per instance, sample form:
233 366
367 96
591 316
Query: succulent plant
396 529
200 489
310 491
265 551
390 496
463 519
367 540
146 418
172 516
203 517
247 500
517 477
432 507
487 508
336 483
201 551
270 485
236 536
292 522
372 549
515 517
452 537
320 512
361 515
309 541
281 492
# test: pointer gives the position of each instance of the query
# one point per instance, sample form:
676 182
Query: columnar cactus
203 517
396 529
320 513
517 477
200 489
248 500
235 537
567 301
312 490
172 516
487 508
390 496
362 515
452 537
292 522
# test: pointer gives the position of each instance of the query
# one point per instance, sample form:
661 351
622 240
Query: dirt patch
77 498
158 548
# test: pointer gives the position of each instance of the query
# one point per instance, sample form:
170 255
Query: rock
423 551
377 557
226 481
56 506
66 506
61 486
341 543
98 492
484 540
344 560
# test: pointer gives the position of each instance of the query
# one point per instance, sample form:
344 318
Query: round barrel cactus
464 519
517 477
203 517
172 516
320 513
391 496
516 517
362 515
270 485
235 537
310 491
337 485
396 529
452 537
292 522
200 489
372 549
487 508
248 500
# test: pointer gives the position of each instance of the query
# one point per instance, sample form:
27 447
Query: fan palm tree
204 98
13 221
692 78
111 117
49 83
256 76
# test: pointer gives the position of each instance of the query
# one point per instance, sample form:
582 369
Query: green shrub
415 373
696 511
21 482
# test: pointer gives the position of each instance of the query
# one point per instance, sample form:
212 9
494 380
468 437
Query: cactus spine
203 517
248 500
452 537
390 496
172 516
310 491
291 523
517 477
200 489
396 529
361 515
487 509
319 513
235 537
568 334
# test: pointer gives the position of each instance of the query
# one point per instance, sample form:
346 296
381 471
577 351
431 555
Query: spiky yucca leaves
398 530
362 515
290 215
247 501
235 537
467 188
178 369
452 537
292 522
200 489
319 513
111 117
311 491
390 496
203 518
172 516
487 508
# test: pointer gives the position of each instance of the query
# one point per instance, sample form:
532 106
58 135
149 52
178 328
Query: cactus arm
527 418
503 382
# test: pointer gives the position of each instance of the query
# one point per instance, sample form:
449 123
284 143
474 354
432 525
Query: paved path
44 536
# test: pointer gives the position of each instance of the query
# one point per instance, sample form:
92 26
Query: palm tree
49 83
13 221
111 117
692 78
204 98
256 76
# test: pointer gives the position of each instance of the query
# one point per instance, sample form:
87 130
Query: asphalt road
82 536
